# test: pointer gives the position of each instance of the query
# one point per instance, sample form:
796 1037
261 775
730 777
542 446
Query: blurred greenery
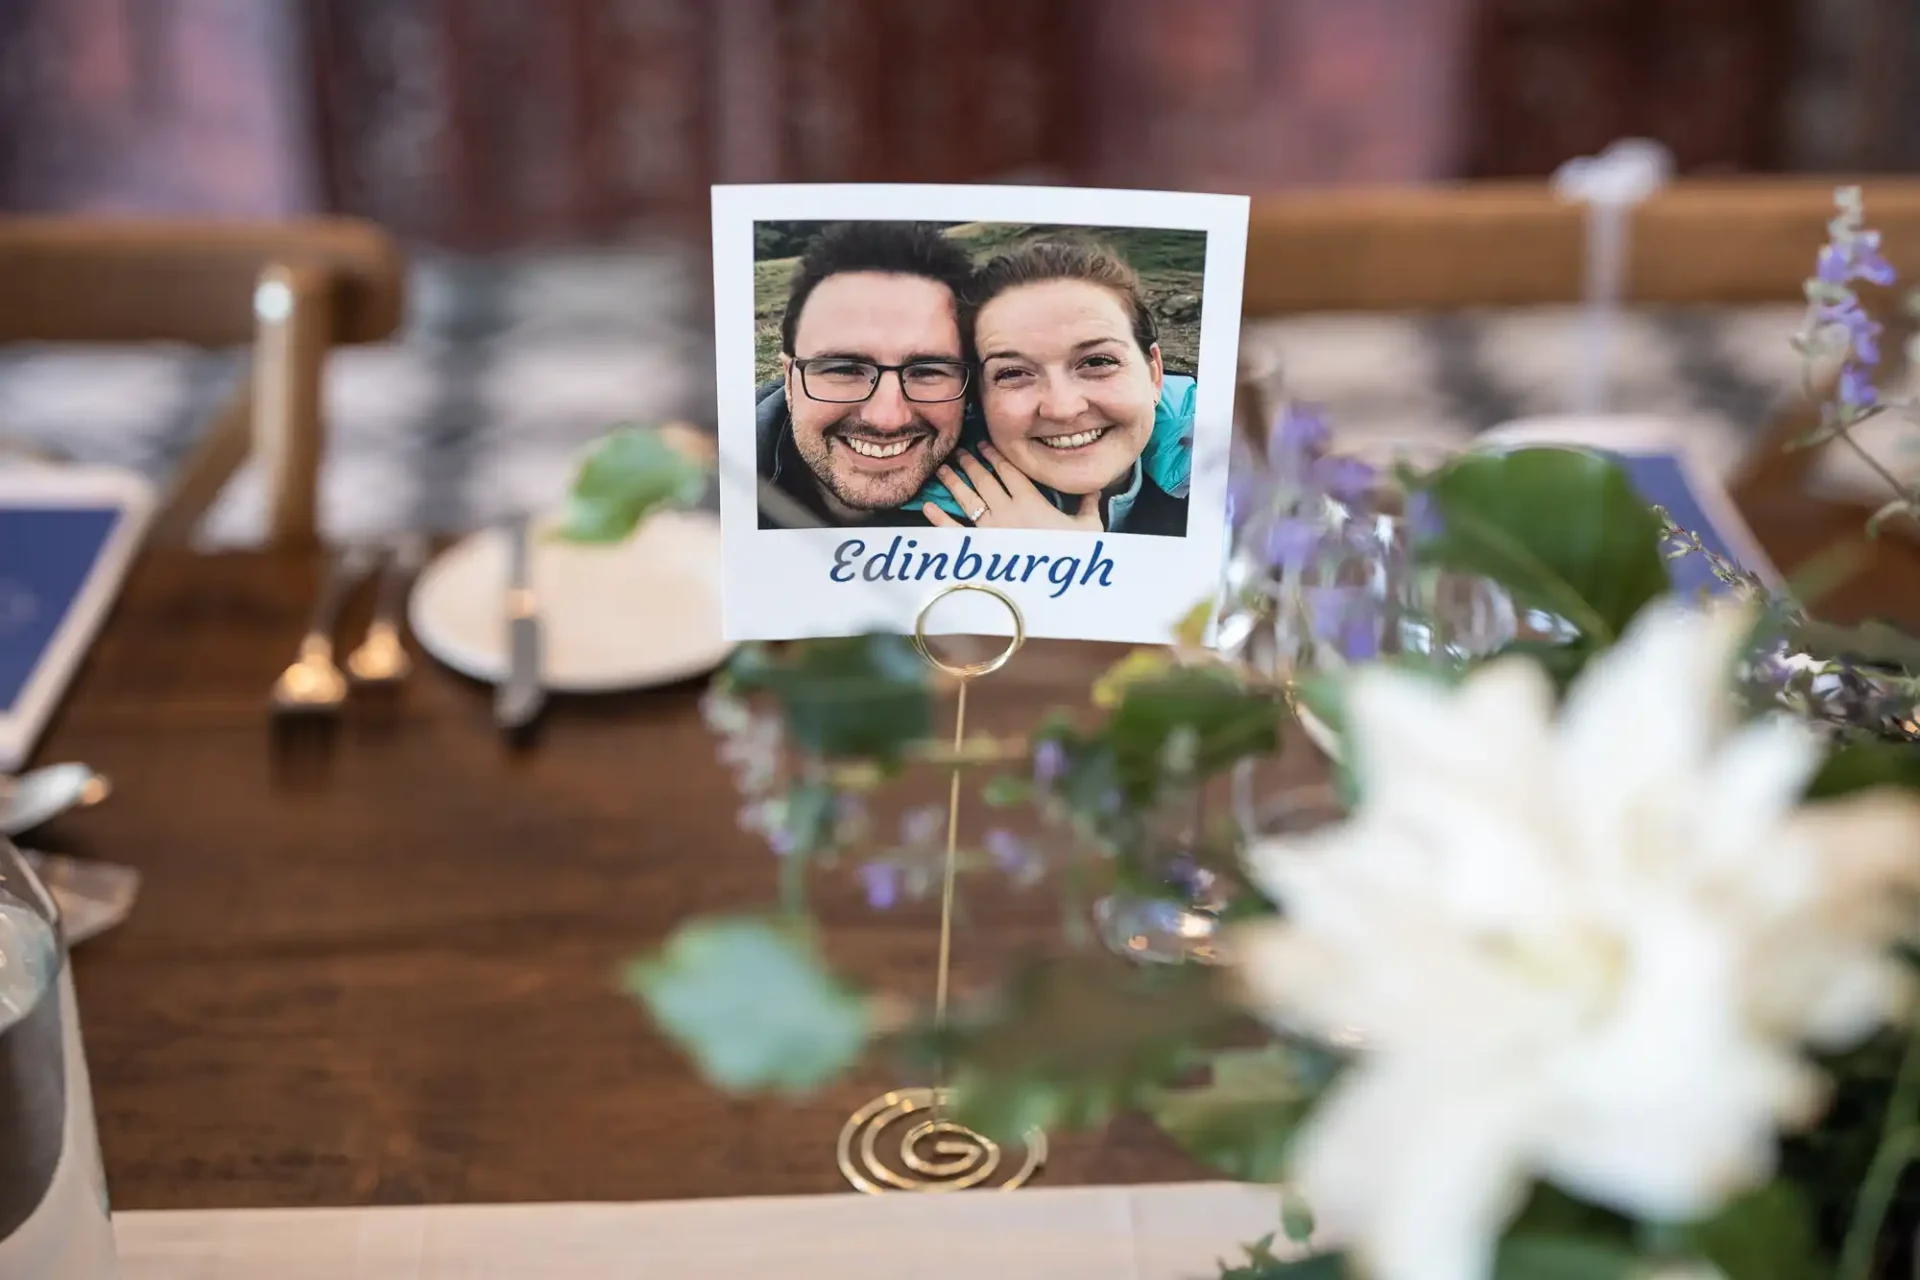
1072 1042
1563 530
1242 1121
1171 265
865 696
631 472
751 1001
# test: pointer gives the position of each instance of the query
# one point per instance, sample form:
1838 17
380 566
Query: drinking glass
55 1223
1183 924
1320 581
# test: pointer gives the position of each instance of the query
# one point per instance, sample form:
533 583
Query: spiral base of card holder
904 1140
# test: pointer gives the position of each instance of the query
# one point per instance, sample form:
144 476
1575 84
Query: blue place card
47 555
1664 479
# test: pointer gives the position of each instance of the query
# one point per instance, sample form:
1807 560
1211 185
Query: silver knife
519 698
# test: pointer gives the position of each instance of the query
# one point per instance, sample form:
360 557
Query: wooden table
379 967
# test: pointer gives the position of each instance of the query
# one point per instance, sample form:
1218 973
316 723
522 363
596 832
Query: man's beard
861 490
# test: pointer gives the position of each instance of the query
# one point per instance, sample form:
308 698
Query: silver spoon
40 795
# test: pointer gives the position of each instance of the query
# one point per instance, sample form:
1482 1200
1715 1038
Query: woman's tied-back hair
1041 261
889 248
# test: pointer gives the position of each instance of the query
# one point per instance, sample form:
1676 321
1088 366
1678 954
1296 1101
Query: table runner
1170 1232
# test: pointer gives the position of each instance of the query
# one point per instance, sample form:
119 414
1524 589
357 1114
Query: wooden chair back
1726 242
290 291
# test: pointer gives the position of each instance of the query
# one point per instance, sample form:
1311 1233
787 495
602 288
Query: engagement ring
975 515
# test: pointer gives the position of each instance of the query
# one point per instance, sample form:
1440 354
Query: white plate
628 615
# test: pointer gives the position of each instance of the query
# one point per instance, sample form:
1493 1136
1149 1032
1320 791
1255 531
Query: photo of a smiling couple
977 375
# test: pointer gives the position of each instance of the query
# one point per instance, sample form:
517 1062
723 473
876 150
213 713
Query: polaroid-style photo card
1027 389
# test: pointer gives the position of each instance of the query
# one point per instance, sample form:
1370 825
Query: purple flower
1359 639
781 841
1856 257
1870 266
1862 329
1347 479
1299 435
1347 618
1864 261
1291 543
1008 851
1856 387
1049 762
1832 265
881 880
922 826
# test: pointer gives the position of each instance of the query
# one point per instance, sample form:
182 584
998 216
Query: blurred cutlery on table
41 795
520 695
381 658
313 683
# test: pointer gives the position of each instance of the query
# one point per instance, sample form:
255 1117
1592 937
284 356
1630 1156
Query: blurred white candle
1609 185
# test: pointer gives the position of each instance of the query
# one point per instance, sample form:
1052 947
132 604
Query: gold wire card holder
930 1151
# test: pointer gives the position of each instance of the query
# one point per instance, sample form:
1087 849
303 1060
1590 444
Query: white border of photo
776 583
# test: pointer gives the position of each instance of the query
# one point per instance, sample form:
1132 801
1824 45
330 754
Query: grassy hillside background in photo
1171 266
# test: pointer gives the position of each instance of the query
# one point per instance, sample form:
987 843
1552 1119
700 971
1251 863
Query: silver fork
380 658
313 682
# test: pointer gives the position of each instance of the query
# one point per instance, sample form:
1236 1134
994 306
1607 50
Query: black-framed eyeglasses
833 380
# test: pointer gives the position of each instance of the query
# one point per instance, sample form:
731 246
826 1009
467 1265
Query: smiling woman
1071 384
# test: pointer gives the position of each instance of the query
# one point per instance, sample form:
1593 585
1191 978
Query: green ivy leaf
1765 1235
1073 1041
858 697
1554 1257
1551 1212
630 474
1561 529
1263 1264
1860 765
753 1004
1520 1257
1228 721
810 809
1005 791
1296 1216
1242 1121
1323 694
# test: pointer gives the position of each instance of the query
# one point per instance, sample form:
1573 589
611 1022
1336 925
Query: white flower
1588 948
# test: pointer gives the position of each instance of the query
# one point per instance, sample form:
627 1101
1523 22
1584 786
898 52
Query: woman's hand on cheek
1003 498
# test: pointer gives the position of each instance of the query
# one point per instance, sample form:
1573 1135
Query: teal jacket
1167 460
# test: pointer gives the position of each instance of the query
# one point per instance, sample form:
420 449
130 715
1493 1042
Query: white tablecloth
1092 1233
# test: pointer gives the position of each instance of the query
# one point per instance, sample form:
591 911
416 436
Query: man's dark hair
895 248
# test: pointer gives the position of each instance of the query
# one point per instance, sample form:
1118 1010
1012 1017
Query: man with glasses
874 374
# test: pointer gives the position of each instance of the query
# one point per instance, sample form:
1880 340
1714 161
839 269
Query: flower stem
793 884
1899 1145
1846 437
